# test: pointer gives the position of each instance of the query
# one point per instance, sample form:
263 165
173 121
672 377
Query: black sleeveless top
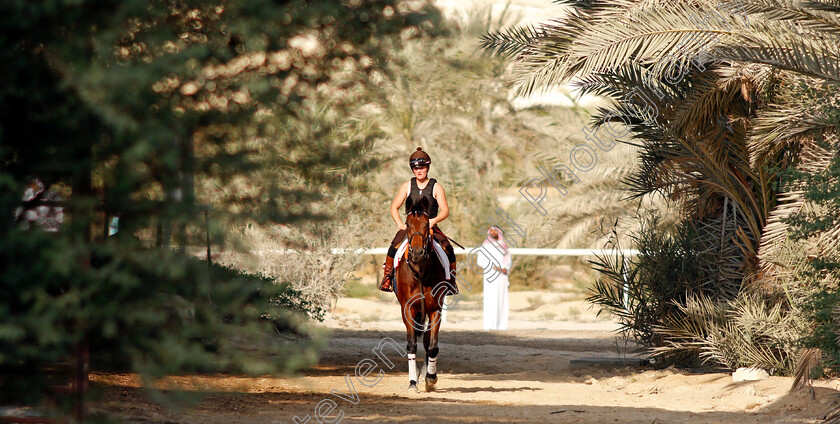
415 194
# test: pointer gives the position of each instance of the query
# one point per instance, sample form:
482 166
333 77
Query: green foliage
445 96
662 303
666 301
716 120
529 273
156 112
817 226
751 330
654 283
822 191
280 294
176 316
823 331
355 288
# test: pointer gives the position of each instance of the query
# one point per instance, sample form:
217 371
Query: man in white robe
497 263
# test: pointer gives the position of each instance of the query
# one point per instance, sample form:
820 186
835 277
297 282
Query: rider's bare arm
443 207
400 197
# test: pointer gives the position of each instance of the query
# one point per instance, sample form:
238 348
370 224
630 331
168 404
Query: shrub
815 227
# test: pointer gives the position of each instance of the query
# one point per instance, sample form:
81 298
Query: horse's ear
408 204
424 203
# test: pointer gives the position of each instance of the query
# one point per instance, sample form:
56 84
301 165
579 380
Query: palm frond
833 415
711 97
812 57
624 79
807 17
511 42
831 6
693 328
646 35
808 359
814 159
785 128
747 331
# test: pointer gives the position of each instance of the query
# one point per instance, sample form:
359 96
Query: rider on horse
417 188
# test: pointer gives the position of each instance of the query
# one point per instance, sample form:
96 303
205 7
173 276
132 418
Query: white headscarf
498 245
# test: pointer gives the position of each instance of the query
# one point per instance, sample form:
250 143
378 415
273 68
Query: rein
427 246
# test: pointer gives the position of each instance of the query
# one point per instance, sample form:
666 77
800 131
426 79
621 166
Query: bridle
426 243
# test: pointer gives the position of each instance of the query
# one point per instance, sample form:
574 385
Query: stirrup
388 279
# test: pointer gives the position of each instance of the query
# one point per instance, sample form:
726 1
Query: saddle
441 254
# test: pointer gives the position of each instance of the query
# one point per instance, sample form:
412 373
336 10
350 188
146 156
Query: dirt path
520 375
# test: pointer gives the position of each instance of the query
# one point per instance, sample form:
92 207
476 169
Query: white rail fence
522 251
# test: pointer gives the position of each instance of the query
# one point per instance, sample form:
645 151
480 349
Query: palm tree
713 94
715 77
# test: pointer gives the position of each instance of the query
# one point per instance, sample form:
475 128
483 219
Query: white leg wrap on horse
412 367
432 367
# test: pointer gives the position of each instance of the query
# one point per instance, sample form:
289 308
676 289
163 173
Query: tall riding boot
452 281
388 267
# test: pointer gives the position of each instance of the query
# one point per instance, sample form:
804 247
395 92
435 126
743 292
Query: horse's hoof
431 380
412 386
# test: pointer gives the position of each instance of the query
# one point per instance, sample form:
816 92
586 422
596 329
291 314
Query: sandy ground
520 375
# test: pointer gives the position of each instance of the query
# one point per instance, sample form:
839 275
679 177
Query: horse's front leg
430 342
412 360
411 317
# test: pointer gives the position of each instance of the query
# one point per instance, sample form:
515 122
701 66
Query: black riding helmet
419 159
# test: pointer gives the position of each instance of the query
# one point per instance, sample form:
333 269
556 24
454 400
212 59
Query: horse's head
417 232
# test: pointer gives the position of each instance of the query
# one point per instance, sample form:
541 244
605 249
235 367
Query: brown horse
420 288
